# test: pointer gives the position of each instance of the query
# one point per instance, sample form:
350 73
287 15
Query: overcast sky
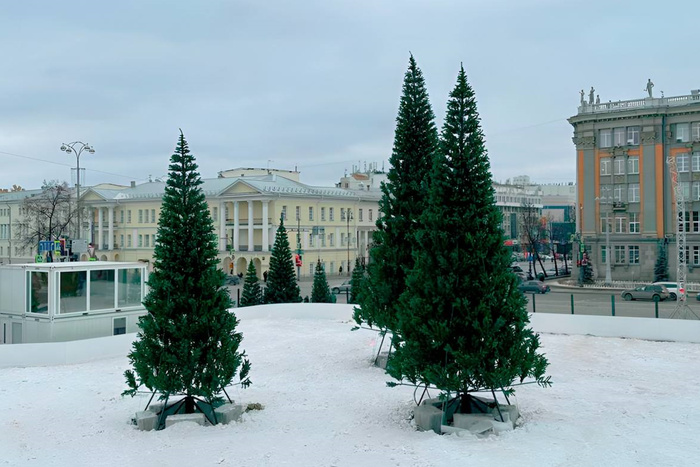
315 84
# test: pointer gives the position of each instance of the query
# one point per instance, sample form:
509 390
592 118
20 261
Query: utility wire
68 165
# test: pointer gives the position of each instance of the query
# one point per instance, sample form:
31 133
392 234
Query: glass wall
129 287
73 292
38 299
102 289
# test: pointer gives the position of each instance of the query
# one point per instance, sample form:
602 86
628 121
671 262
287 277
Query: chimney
133 184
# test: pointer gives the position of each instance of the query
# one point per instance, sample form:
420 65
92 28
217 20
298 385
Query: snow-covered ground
614 402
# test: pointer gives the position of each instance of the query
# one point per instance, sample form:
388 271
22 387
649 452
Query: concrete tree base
228 413
429 416
197 418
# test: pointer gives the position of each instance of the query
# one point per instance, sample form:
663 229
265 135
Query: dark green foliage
252 292
357 281
588 273
661 266
320 293
188 342
282 284
464 323
404 197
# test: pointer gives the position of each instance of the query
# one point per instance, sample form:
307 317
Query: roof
78 265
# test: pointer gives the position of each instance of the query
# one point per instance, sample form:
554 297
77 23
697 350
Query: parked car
672 288
516 268
646 292
342 288
533 286
232 280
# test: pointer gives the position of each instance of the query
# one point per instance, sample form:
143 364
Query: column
91 222
222 226
236 226
110 228
99 228
265 227
251 221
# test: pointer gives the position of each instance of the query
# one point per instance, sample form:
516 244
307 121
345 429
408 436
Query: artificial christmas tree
404 197
282 284
252 292
464 323
356 283
320 293
187 344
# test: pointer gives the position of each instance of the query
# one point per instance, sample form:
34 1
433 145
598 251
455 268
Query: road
305 287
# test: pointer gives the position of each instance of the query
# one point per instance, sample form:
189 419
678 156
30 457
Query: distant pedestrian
265 276
240 275
340 271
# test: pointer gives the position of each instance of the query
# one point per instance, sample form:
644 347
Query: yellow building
331 224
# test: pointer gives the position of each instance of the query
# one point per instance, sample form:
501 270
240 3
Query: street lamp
349 218
77 148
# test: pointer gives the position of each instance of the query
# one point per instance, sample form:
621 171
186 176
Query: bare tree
13 189
45 216
533 232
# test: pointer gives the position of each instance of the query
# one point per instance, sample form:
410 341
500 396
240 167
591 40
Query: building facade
331 224
624 185
513 200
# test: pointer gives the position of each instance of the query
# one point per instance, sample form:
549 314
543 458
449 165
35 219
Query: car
342 288
232 280
672 288
533 286
516 268
646 292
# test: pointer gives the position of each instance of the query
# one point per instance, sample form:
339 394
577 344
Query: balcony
619 206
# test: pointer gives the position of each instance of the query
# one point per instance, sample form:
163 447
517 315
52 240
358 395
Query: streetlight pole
608 259
9 234
77 148
349 218
298 246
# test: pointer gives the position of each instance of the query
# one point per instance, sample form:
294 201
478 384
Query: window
633 136
370 215
696 255
605 164
102 289
633 165
330 214
682 132
682 162
140 216
633 192
73 291
121 241
38 299
603 254
342 214
128 216
146 242
311 213
153 216
604 224
696 191
284 213
695 219
633 254
619 166
226 216
297 213
331 239
696 131
140 241
619 254
619 137
121 216
359 214
128 241
620 224
685 189
323 239
634 222
606 193
312 267
605 139
119 326
128 287
618 193
323 214
312 240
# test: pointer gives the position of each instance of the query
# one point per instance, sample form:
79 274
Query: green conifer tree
661 266
404 197
187 344
464 323
252 292
282 284
320 293
356 283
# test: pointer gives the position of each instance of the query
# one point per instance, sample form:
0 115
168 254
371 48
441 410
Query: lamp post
77 148
349 218
608 269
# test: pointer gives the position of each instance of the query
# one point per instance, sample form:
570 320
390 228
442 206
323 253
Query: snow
614 402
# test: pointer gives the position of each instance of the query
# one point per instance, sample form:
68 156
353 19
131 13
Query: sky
314 85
